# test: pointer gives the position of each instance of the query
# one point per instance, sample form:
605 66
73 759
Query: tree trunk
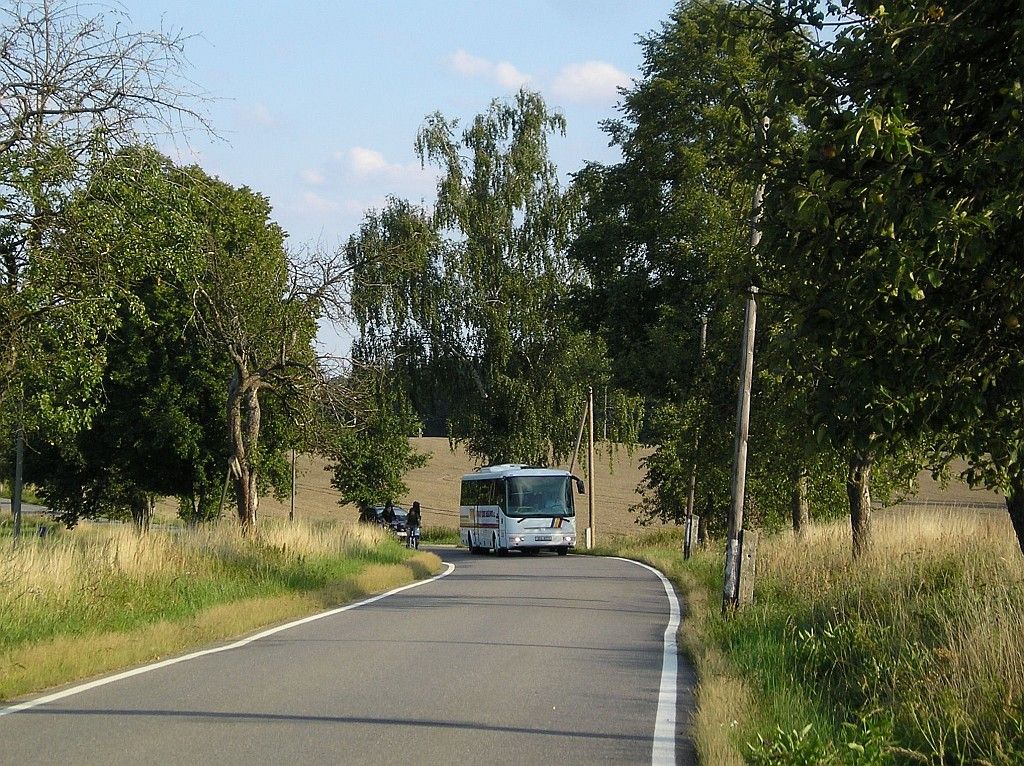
243 435
702 524
141 506
799 503
858 491
1015 506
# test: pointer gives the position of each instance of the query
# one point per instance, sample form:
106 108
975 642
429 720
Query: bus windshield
539 496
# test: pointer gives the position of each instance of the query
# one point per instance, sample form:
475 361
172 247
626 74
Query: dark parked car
397 525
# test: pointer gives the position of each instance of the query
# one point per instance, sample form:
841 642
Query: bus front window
539 496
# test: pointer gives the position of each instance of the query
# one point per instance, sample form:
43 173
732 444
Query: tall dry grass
913 653
104 596
917 645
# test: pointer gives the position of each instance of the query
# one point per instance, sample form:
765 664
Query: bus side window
496 493
468 495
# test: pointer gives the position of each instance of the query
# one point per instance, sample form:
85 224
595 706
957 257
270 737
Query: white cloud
313 177
468 64
315 203
502 72
258 114
510 77
370 166
593 81
367 163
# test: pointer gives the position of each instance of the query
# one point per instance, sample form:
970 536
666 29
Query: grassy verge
440 536
103 598
912 654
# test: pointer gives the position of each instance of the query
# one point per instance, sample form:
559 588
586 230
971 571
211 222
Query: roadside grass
440 536
912 654
102 597
29 493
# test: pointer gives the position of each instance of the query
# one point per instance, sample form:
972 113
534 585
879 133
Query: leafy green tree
476 300
258 305
892 237
155 430
371 457
75 88
667 239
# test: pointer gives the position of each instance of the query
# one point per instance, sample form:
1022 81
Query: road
514 659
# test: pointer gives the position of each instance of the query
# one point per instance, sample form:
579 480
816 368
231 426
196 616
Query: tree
259 305
74 88
666 242
476 298
371 457
890 228
158 428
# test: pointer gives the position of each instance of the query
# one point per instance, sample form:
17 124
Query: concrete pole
730 589
590 466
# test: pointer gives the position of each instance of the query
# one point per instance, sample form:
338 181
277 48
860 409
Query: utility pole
591 542
291 510
19 464
739 474
579 438
730 589
691 495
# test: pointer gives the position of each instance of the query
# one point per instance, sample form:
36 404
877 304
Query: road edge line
663 750
214 650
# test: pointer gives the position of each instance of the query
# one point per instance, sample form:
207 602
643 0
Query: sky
317 104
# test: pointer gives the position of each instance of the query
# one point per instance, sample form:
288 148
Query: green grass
440 536
912 654
72 590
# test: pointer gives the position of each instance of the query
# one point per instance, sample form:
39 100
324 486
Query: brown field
436 486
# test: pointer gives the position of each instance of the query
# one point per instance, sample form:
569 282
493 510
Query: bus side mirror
579 485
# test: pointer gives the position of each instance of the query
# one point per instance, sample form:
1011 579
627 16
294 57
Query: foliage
890 231
666 243
370 458
76 88
468 313
156 430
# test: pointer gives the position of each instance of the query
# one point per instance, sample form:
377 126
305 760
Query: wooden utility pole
730 589
590 469
291 510
691 495
19 463
739 473
579 438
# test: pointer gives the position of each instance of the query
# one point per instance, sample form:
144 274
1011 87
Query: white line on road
236 645
663 752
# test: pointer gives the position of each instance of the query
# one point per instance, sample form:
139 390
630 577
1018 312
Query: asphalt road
526 660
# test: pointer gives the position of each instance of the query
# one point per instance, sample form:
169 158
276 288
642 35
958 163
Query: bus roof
512 469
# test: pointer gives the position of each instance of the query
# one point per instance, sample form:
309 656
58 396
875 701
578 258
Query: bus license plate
543 538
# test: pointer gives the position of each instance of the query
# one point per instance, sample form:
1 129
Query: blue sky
318 103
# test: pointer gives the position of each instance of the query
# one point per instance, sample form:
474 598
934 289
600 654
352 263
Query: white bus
516 507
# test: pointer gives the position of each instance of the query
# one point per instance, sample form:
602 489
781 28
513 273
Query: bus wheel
563 550
498 551
472 548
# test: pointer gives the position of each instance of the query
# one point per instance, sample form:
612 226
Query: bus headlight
516 540
569 538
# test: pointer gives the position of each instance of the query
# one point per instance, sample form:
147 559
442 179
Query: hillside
436 486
